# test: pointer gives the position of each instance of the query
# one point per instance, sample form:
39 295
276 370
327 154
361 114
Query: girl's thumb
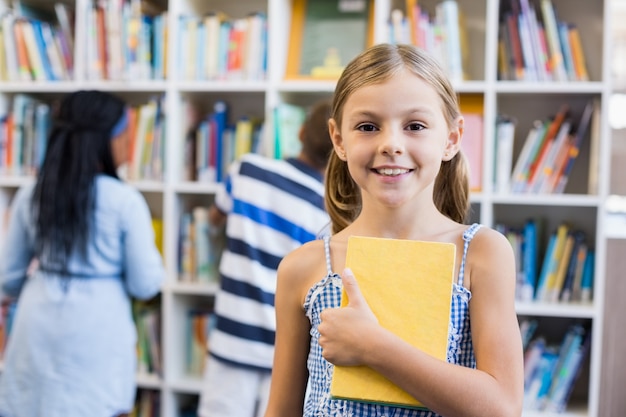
352 287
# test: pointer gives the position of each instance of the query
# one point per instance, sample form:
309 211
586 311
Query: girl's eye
366 127
416 126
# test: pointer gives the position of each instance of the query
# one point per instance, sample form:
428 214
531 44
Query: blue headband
121 125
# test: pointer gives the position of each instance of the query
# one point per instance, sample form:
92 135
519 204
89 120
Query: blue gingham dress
327 294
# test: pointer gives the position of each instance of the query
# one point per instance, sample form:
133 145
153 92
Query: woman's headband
121 125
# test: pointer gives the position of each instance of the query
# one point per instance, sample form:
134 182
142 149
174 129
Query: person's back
272 207
71 351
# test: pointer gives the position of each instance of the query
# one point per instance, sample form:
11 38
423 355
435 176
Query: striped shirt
327 294
273 207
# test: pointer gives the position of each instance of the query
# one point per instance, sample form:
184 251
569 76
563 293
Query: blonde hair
376 65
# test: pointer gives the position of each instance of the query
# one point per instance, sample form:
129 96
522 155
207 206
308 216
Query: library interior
541 86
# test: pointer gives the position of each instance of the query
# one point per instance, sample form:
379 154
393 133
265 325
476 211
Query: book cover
325 35
416 307
472 107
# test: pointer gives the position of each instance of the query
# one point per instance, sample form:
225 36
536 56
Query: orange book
8 151
132 130
22 54
578 56
101 35
408 286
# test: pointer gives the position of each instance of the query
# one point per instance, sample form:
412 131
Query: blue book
43 52
529 260
587 279
564 368
219 119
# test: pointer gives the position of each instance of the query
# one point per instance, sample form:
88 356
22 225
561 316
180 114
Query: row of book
551 371
441 33
216 47
213 142
549 151
199 247
25 126
538 46
147 404
566 272
24 129
199 323
147 134
147 317
34 46
126 40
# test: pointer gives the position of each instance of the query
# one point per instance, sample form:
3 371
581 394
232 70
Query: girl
397 172
71 351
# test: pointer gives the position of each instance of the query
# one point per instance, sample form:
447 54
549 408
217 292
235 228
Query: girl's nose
391 143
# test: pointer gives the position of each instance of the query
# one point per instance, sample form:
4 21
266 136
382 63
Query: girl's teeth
392 171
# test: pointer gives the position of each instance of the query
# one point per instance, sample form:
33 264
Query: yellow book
157 225
408 286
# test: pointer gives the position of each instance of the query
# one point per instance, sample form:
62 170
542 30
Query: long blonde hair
376 65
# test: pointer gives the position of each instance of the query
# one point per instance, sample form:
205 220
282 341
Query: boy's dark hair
316 143
78 148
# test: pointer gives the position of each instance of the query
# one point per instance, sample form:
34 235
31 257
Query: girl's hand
344 331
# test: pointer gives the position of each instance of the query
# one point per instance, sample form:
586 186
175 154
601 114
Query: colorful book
581 133
416 307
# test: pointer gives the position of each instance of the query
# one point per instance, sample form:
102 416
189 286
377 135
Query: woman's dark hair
78 148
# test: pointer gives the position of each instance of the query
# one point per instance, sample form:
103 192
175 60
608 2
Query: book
288 119
559 277
472 108
581 132
529 260
325 35
529 149
422 274
595 136
505 135
548 140
553 256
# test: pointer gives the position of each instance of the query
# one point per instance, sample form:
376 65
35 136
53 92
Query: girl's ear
453 143
335 137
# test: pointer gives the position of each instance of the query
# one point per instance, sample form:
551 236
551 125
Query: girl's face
394 137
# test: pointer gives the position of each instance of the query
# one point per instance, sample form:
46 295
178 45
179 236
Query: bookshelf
526 101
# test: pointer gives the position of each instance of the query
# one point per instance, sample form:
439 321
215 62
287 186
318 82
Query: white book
554 43
8 20
449 11
505 135
520 171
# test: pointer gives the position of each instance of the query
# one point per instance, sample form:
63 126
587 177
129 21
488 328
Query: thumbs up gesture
344 331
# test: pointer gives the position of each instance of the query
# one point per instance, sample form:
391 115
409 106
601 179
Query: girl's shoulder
486 239
306 255
304 266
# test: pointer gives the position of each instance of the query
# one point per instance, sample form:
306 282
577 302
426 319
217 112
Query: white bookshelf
526 101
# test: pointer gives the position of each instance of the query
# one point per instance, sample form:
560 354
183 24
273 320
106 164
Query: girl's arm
495 388
289 373
144 271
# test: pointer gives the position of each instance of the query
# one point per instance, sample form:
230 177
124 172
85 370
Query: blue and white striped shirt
327 294
273 207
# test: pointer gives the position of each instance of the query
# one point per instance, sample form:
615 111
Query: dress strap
467 238
327 253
